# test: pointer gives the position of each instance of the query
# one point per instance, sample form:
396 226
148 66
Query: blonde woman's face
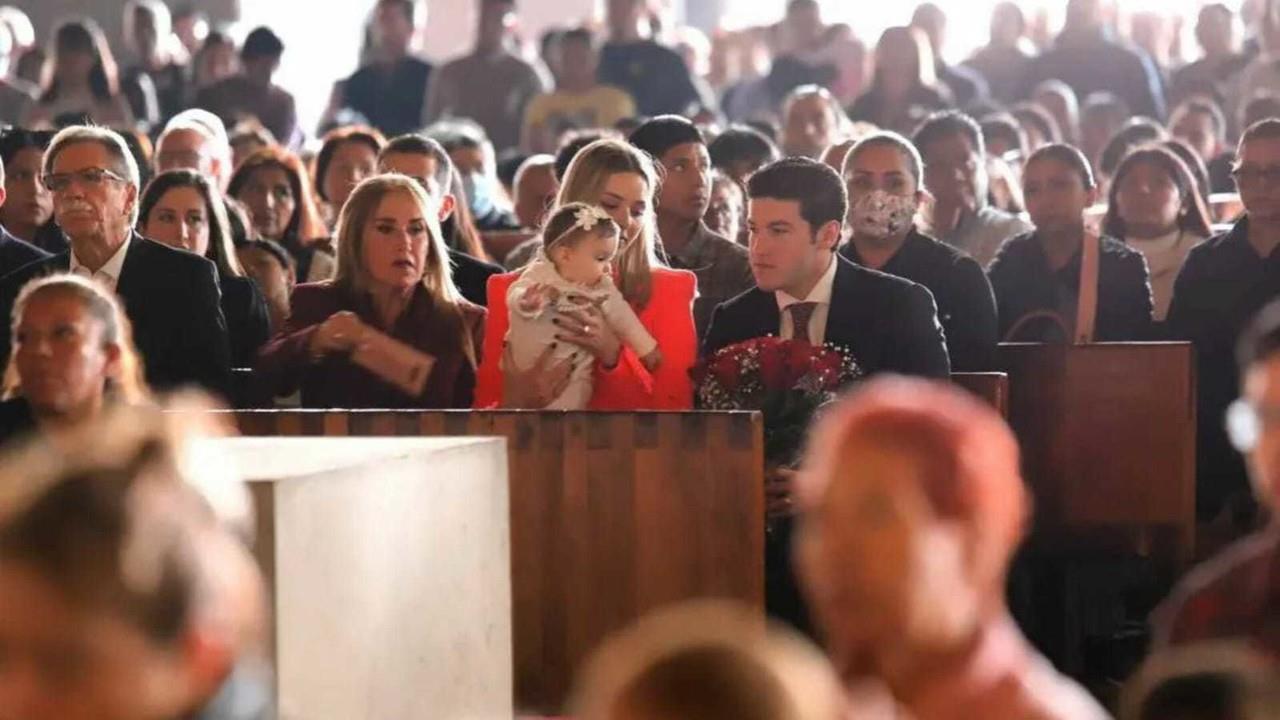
395 242
628 199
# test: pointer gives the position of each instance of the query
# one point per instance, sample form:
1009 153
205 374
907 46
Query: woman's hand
587 329
534 388
340 333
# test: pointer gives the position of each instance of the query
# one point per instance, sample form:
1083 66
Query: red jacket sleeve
489 376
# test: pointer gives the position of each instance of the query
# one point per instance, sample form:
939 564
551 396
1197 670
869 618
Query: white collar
821 292
110 269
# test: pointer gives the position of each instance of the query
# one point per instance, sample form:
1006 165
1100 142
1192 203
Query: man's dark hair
946 123
1268 129
740 144
14 140
572 145
415 144
1031 115
410 8
658 135
578 34
262 43
814 185
1068 155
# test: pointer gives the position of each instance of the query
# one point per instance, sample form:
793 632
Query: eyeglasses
1256 177
89 177
1246 423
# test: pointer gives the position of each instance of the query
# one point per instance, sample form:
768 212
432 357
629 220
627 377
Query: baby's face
588 261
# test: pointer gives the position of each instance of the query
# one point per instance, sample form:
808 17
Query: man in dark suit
796 209
14 253
805 291
170 296
426 161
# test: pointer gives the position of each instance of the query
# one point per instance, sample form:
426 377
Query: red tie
801 314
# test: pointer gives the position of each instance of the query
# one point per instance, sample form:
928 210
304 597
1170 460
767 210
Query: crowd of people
576 228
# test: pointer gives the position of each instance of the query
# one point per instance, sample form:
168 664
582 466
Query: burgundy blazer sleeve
284 360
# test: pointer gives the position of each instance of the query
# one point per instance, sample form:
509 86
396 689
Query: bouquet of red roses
786 380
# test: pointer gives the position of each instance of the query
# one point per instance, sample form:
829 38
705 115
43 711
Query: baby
572 271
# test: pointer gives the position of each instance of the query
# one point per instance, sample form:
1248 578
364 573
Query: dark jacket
1222 285
15 253
656 77
471 276
248 322
1024 283
889 324
390 99
870 107
966 303
1093 61
335 382
173 302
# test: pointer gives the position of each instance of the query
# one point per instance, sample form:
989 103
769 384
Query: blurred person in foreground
912 505
706 660
125 592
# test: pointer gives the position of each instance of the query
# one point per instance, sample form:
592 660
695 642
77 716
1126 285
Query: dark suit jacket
471 276
889 324
15 253
966 304
335 382
172 300
1024 283
248 322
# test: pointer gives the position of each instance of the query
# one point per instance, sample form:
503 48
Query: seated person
1037 276
73 355
390 330
181 209
578 246
1235 594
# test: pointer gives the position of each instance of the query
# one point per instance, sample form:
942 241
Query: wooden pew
992 387
612 515
1108 442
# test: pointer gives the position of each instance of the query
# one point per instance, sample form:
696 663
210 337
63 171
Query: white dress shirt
821 295
109 273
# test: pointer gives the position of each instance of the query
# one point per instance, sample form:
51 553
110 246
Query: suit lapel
842 316
133 270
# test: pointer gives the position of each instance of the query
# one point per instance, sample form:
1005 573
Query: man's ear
131 199
3 193
829 235
447 204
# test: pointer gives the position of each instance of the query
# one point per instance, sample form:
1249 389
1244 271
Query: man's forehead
81 154
1264 151
184 139
767 210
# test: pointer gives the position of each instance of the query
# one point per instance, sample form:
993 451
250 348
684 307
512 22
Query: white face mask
879 214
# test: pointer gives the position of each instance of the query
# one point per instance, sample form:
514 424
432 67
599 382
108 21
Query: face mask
479 194
880 214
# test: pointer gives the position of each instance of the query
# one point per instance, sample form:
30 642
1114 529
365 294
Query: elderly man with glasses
1237 595
170 296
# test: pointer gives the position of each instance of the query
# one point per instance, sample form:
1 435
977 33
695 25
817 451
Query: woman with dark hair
390 330
1155 208
73 354
348 156
273 185
905 88
1037 277
80 81
181 209
27 212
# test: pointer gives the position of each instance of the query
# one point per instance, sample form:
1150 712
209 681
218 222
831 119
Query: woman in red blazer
621 180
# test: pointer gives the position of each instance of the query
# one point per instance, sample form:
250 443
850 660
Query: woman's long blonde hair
583 182
437 278
127 384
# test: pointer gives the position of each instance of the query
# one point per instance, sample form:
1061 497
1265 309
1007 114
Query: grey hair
115 145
